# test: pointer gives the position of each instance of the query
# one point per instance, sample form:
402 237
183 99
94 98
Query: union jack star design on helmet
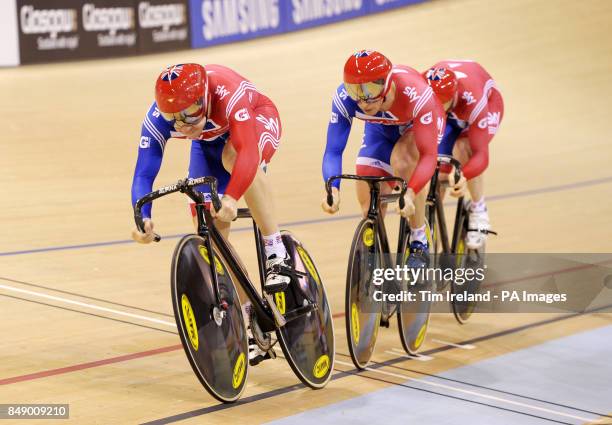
362 53
172 72
435 74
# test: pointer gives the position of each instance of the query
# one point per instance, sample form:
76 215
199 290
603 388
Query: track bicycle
370 250
205 274
454 253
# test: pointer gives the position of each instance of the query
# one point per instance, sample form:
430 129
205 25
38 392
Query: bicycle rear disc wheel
466 259
215 345
308 339
413 316
361 311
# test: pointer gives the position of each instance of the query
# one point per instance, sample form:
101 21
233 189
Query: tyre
214 339
413 316
307 339
361 311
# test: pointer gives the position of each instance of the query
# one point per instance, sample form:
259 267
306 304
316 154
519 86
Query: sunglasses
366 92
190 115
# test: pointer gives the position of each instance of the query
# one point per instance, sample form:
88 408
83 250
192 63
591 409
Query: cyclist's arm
427 133
479 137
153 136
338 132
243 138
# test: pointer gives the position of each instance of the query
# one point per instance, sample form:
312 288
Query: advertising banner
48 30
309 13
163 25
222 21
51 30
108 28
380 5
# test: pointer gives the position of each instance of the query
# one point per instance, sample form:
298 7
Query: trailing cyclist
403 125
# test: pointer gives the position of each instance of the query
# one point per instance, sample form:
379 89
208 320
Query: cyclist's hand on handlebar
457 188
228 211
147 236
409 207
335 206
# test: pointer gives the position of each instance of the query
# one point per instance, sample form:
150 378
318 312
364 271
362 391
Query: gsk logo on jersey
242 115
411 92
467 96
343 94
427 118
491 121
145 142
334 118
172 72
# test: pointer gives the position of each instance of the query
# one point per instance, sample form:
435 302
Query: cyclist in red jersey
403 124
475 110
235 131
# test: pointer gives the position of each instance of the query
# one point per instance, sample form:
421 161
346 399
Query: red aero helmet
180 86
443 82
367 66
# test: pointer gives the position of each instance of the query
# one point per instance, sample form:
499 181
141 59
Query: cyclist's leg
259 196
463 151
479 218
404 159
206 161
374 159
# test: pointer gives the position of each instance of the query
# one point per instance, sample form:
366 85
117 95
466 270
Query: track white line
452 344
87 305
473 393
402 353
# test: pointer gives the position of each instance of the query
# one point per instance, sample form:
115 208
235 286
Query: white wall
9 40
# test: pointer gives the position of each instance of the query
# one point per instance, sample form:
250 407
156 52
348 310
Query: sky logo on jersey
172 72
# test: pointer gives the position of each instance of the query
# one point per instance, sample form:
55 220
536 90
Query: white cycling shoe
277 278
478 229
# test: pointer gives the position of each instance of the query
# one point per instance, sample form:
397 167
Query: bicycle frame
207 230
433 199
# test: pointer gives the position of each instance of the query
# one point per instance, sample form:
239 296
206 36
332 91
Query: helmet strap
387 84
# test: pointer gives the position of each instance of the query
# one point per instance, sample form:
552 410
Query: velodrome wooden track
69 145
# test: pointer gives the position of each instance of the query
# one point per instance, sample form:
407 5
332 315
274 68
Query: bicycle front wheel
413 316
362 312
307 339
214 339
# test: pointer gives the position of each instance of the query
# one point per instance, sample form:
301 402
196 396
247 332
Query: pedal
270 354
273 289
279 319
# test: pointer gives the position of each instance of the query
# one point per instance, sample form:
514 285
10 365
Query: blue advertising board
380 5
223 21
301 14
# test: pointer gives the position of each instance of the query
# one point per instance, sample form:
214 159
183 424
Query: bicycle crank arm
279 319
288 271
300 311
483 231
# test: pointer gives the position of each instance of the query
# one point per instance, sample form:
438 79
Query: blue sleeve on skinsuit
343 111
153 136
